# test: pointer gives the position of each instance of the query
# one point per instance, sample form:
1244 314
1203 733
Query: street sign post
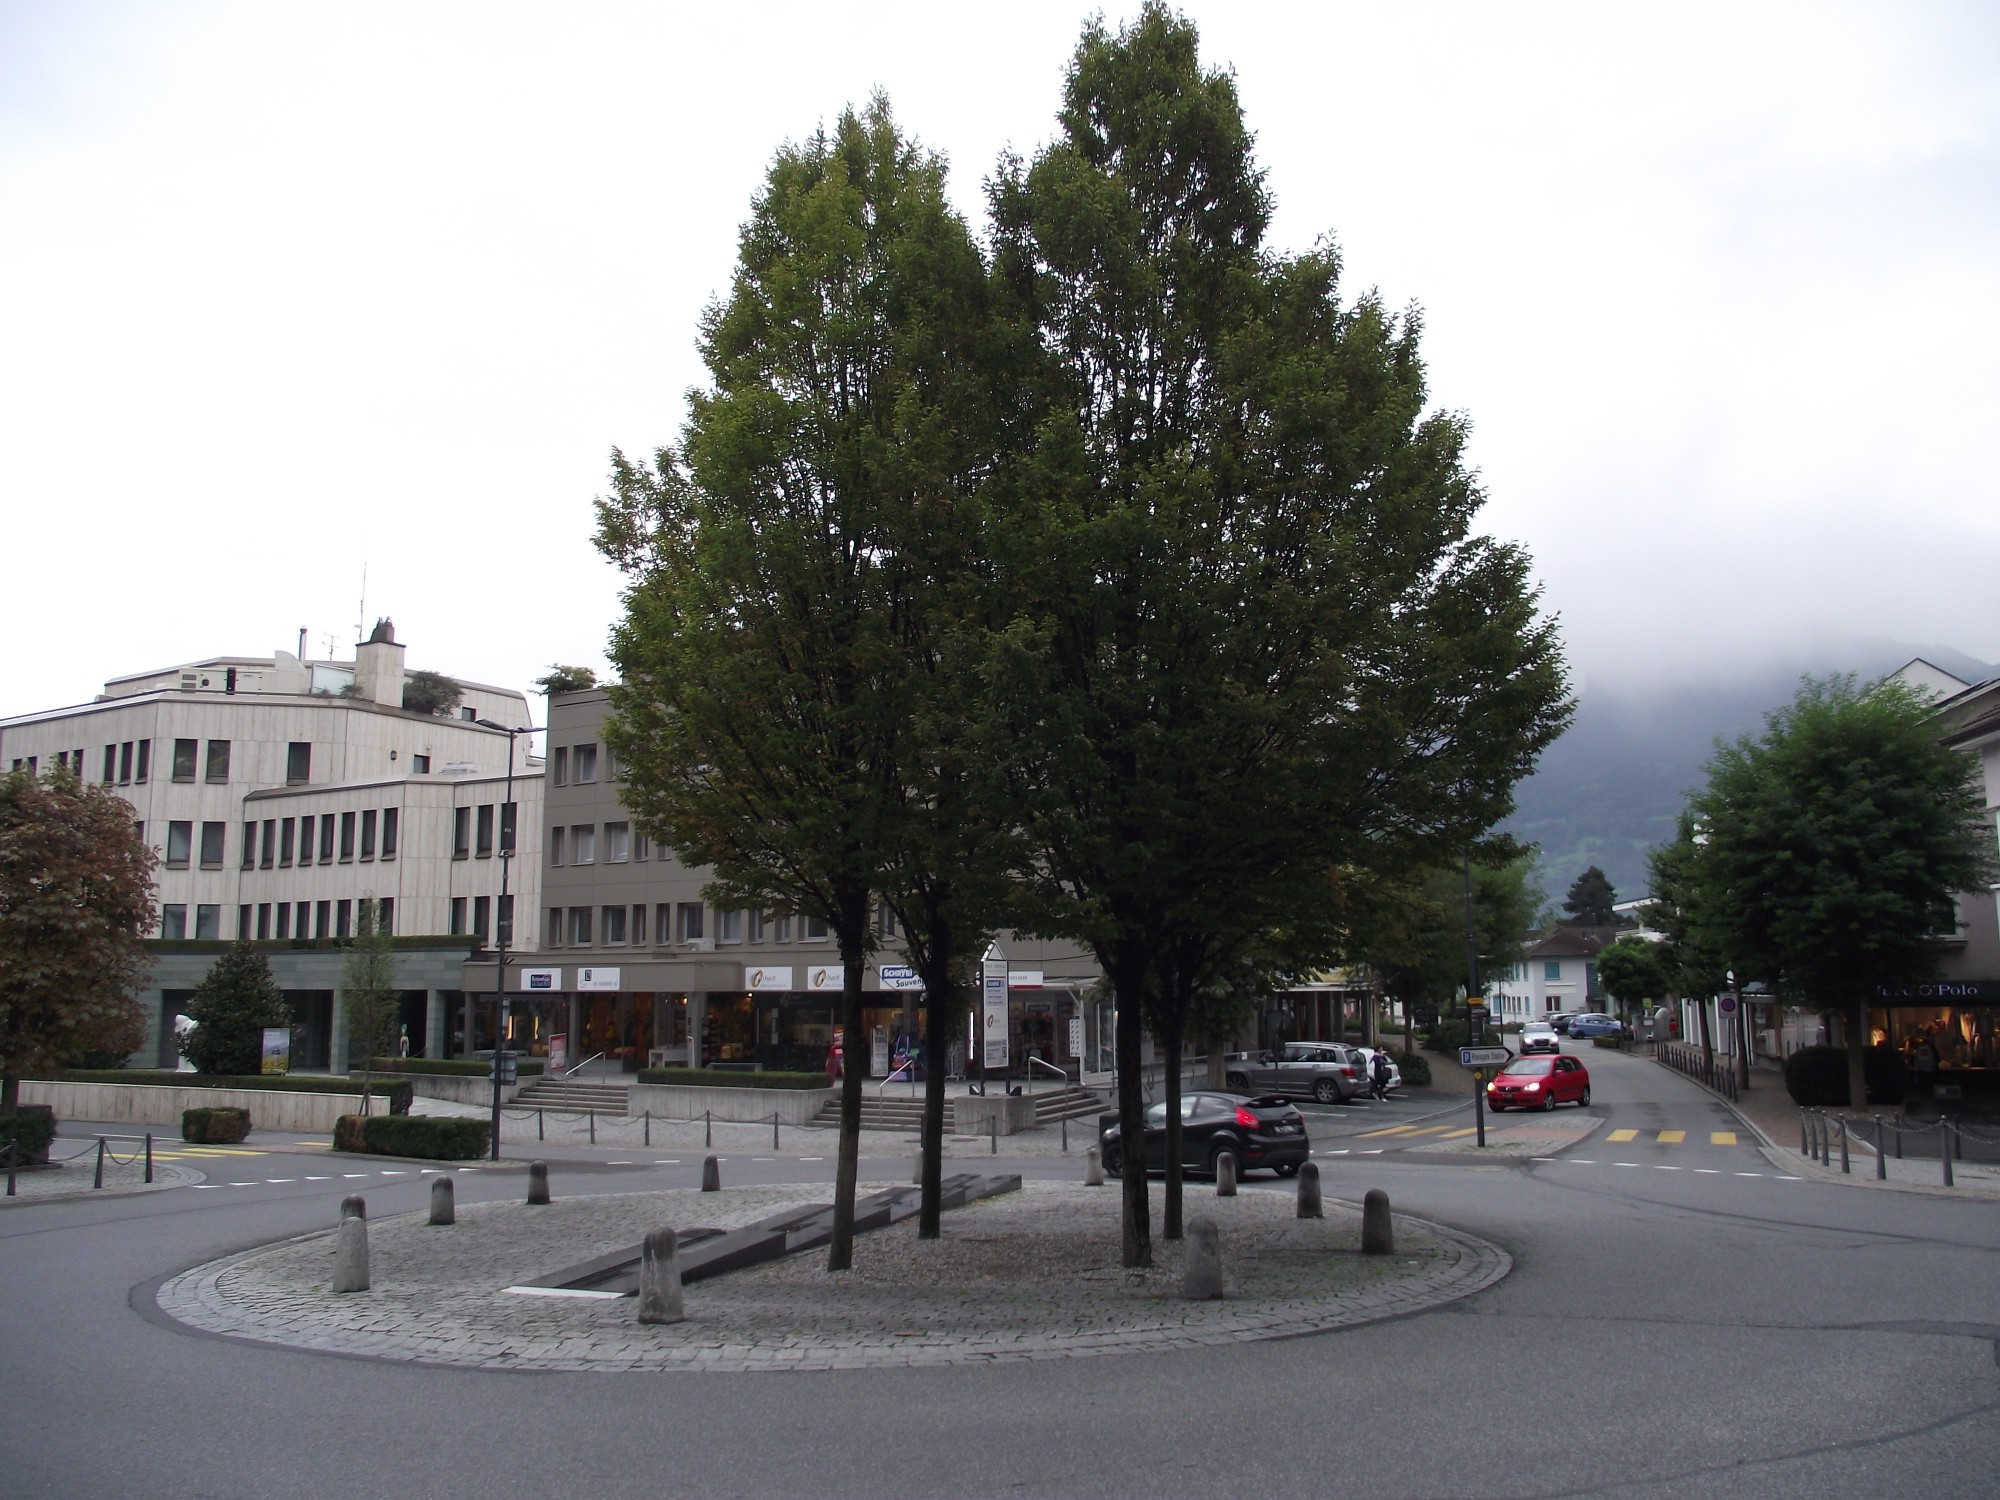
1484 1057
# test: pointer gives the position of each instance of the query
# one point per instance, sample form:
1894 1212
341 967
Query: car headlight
1531 1087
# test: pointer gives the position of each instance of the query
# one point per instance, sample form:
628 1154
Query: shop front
1948 1035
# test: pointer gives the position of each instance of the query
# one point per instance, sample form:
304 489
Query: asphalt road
1682 1321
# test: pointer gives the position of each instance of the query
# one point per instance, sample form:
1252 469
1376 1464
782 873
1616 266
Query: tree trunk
937 1062
840 1253
1857 1054
1707 1037
1127 973
10 1092
1171 1035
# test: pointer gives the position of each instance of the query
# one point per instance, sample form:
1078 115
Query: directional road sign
1483 1057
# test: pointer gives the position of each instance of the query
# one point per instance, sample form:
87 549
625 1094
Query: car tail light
1246 1118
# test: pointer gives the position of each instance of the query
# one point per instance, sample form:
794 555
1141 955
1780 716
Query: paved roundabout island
1032 1274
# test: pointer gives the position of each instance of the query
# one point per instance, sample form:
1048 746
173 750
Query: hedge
452 1067
729 1078
1818 1076
1446 1036
429 1137
398 1091
31 1131
1415 1068
222 1126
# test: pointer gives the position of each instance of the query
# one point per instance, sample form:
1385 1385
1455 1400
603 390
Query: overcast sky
288 291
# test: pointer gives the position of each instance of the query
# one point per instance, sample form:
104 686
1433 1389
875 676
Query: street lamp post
503 922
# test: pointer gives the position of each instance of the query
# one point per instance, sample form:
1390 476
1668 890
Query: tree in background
1634 970
767 652
1591 901
76 901
1695 967
1831 847
1257 645
561 679
431 693
1411 933
368 993
235 1002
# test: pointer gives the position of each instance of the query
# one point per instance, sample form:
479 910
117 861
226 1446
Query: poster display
277 1052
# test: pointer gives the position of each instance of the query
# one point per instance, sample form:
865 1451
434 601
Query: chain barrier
1718 1076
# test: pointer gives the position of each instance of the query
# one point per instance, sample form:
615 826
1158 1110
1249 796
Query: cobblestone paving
1544 1134
1032 1275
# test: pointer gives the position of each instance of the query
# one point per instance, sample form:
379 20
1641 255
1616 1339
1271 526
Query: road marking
812 1158
1341 1152
1672 1137
351 1175
1369 1135
242 1184
1582 1161
319 1179
1722 1138
1619 1137
1469 1130
1709 1171
671 1161
395 1172
1375 1151
1781 1177
1662 1167
618 1164
1624 1164
281 1179
1754 1174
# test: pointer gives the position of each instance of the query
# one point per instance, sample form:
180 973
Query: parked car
1560 1020
1331 1072
1595 1023
1395 1073
1262 1131
1539 1083
1539 1036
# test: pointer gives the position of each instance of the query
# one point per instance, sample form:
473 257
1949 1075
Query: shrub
1818 1076
440 1067
712 1078
219 1126
1446 1036
30 1130
429 1137
1416 1069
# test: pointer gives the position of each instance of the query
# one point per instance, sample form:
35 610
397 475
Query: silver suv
1331 1072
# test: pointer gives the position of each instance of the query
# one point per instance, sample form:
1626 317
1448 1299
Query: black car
1262 1131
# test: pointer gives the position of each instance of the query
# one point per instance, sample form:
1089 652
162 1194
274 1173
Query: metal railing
1819 1130
1715 1072
1047 1067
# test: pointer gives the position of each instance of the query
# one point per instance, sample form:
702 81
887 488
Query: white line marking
1376 1152
812 1158
1581 1161
618 1164
319 1179
557 1291
1658 1168
672 1161
1624 1164
242 1184
202 1187
1780 1176
1755 1174
395 1172
281 1179
1709 1171
352 1175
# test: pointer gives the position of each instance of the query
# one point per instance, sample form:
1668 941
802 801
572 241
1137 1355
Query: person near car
1378 1075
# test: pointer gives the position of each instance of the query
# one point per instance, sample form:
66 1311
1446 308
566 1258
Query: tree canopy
1634 970
236 1000
562 679
76 901
431 693
1829 847
1591 901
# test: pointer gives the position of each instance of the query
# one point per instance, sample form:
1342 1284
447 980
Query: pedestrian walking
1378 1075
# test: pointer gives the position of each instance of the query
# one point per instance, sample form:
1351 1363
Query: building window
554 931
286 832
457 928
243 923
284 928
461 833
483 838
326 838
211 845
263 920
617 843
185 754
470 715
420 765
173 921
218 760
555 846
1552 969
640 850
505 911
180 836
124 762
610 765
306 839
729 927
110 764
583 844
346 838
586 765
145 761
507 822
639 924
614 926
885 919
687 917
368 833
343 918
579 927
812 929
389 821
208 922
781 929
754 922
299 762
322 916
562 765
385 916
482 907
663 922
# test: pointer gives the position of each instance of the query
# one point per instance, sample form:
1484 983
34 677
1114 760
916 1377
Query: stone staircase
903 1111
571 1096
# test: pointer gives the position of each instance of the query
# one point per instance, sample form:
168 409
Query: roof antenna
361 623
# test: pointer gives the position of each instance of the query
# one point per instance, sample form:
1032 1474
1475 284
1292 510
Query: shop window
211 845
186 752
180 838
173 921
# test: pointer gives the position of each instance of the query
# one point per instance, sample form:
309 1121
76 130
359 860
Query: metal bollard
1065 1134
993 1135
774 1130
707 1129
13 1149
649 1127
149 1156
1844 1167
100 1163
1881 1159
593 1127
1803 1141
1944 1148
1899 1140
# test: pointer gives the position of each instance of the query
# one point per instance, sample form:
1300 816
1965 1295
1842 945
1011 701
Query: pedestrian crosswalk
1670 1137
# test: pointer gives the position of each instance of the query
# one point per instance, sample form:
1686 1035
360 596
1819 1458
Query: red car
1539 1083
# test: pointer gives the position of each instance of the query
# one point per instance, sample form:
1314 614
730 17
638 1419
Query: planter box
1003 1114
460 1089
162 1104
672 1101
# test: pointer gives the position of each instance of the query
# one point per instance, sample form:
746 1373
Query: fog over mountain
1610 789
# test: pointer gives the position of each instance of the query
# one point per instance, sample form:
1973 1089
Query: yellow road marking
1431 1129
1623 1135
1722 1138
1469 1130
1368 1135
1672 1137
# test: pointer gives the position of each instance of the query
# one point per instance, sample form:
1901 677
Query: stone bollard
354 1206
1309 1199
1093 1168
1378 1235
1201 1275
1225 1175
350 1252
538 1182
711 1175
660 1279
442 1202
917 1170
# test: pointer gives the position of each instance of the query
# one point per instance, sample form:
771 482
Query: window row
214 767
472 830
69 760
672 922
578 844
481 910
339 838
281 919
577 765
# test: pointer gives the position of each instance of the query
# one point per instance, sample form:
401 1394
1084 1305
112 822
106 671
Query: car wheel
1496 1108
1113 1163
1215 1156
1288 1169
1327 1091
1238 1083
1583 1098
1548 1101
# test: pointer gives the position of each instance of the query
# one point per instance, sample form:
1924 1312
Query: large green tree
1591 900
1832 845
1258 645
1634 970
1695 965
1411 932
368 993
76 901
236 1000
774 641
